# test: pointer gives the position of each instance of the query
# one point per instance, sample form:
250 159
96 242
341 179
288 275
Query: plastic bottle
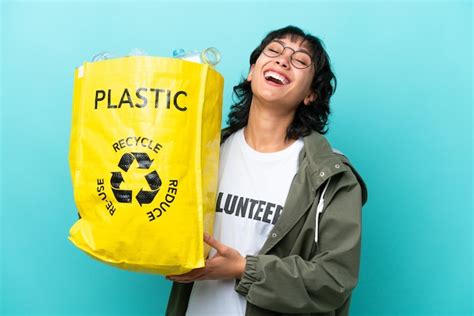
108 55
102 56
210 55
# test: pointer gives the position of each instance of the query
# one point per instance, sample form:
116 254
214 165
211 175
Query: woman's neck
266 131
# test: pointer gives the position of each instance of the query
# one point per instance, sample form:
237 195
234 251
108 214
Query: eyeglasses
299 59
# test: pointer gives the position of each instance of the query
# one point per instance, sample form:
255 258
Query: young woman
288 214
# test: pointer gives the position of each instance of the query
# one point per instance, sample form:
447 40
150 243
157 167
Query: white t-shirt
253 187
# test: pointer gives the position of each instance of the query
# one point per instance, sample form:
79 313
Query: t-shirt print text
239 206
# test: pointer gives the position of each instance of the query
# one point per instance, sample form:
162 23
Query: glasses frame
291 56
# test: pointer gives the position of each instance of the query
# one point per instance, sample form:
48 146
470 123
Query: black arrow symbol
126 161
143 160
116 179
123 196
146 197
153 180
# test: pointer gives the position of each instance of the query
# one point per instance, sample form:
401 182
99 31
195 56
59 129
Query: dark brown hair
312 117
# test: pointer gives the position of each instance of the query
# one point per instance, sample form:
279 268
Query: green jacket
293 274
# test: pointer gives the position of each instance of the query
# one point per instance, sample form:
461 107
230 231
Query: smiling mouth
276 77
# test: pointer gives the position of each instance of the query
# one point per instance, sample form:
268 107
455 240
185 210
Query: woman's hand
226 264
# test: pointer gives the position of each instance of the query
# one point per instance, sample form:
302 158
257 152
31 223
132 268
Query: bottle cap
211 56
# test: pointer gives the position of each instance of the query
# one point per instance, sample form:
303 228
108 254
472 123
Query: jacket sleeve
322 284
179 299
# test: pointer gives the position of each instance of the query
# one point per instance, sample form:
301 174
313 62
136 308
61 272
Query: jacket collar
322 162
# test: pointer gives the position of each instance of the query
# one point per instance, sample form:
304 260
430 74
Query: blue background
402 113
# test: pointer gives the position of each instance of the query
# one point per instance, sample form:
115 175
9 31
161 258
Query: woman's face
279 84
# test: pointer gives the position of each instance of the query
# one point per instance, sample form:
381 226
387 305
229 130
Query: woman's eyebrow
301 49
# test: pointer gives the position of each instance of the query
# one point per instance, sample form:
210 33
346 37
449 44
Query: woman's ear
249 76
309 98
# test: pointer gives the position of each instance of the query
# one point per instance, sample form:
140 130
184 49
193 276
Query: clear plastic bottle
108 55
102 56
210 56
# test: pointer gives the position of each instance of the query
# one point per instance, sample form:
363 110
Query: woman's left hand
226 264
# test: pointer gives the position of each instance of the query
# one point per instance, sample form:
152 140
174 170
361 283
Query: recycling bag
143 156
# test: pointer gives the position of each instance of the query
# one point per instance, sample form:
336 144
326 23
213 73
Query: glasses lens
273 49
301 60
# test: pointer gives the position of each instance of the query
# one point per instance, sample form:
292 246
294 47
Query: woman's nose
284 58
283 61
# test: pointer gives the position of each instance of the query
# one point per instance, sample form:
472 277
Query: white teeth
276 76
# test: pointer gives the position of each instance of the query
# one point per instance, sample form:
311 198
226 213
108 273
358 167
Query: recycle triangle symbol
152 178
